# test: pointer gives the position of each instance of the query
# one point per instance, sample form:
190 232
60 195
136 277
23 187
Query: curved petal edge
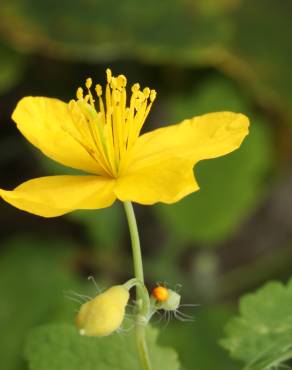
53 196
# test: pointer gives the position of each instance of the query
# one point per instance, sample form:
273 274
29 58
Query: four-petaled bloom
103 139
103 314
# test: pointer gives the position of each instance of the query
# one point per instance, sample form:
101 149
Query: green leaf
231 186
189 33
265 49
60 347
262 335
33 277
104 227
197 342
11 67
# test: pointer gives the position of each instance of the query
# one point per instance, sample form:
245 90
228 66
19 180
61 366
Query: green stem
142 294
136 249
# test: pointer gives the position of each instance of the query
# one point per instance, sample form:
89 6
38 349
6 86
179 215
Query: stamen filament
109 133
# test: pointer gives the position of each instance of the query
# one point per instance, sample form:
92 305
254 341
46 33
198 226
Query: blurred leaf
262 335
163 266
229 34
231 186
11 68
106 29
212 7
215 93
197 342
33 277
264 44
60 347
104 227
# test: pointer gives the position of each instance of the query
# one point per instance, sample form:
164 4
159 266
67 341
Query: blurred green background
228 238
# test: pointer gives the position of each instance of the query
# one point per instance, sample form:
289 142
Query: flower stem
141 293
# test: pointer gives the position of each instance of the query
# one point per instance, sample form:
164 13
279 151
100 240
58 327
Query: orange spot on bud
160 293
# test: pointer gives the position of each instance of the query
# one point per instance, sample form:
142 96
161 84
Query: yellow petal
207 136
56 195
43 122
162 163
166 180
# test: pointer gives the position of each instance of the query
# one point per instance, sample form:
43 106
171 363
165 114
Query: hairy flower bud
167 299
173 301
103 314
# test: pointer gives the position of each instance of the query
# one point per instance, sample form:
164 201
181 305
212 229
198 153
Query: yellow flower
103 139
104 314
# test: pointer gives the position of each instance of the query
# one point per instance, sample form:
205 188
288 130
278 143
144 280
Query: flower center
109 132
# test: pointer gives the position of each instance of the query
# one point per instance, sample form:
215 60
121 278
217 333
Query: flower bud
103 314
167 299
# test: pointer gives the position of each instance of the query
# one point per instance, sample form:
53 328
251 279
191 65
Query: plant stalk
141 293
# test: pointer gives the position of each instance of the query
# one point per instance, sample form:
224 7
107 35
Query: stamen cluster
109 130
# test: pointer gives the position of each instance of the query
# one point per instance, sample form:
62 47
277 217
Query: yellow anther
113 83
71 104
122 81
98 90
79 93
146 92
135 87
108 75
152 95
88 83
